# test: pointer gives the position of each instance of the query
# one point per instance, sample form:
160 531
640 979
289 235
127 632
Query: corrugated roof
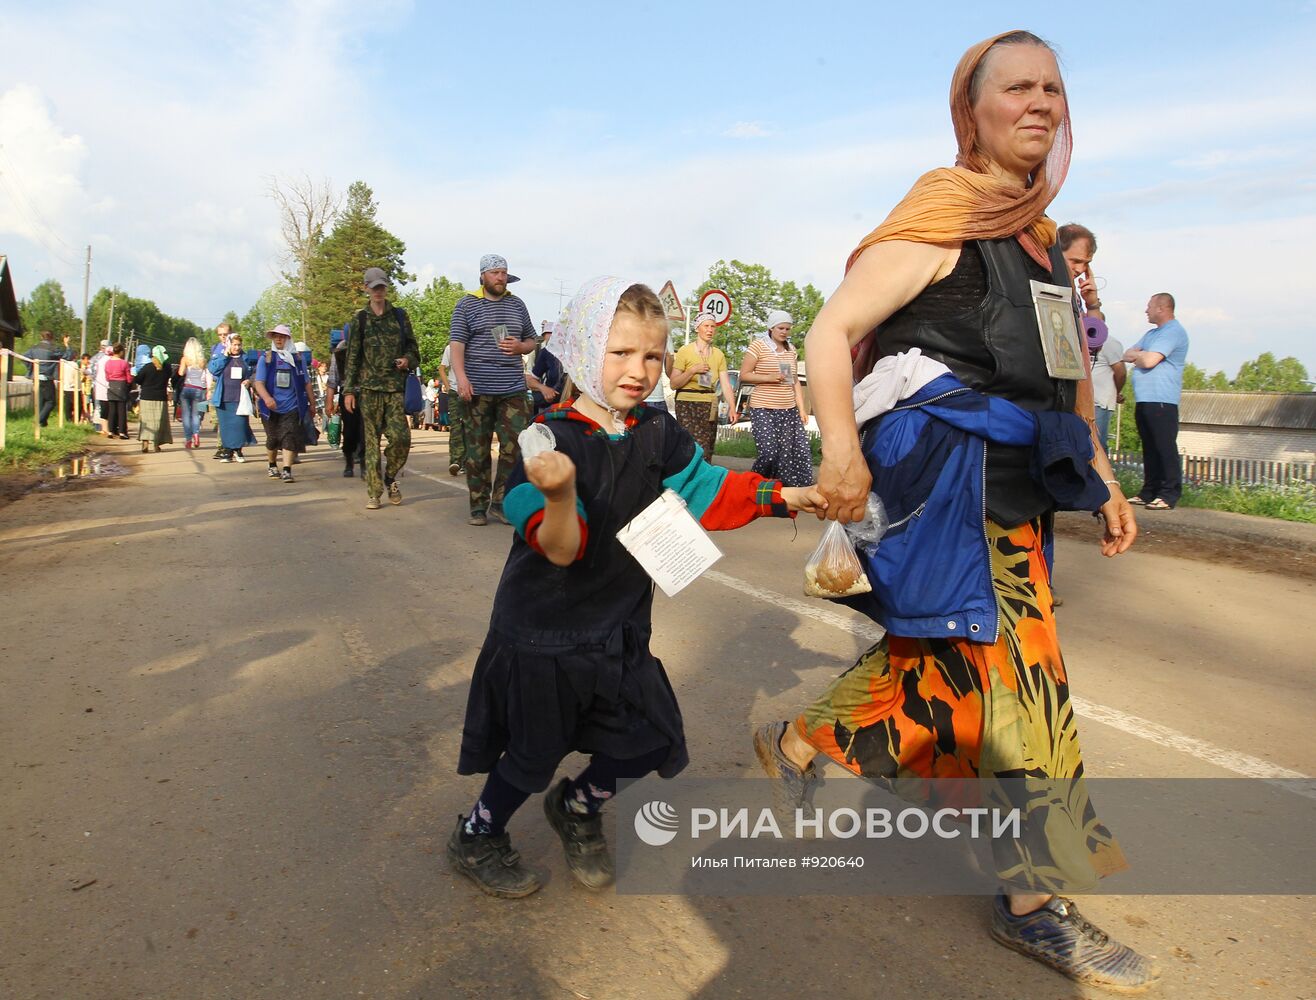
1289 410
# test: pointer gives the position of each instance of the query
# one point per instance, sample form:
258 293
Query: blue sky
647 140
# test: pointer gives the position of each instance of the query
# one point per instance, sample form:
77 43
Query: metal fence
1199 469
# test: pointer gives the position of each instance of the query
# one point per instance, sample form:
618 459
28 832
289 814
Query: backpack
413 398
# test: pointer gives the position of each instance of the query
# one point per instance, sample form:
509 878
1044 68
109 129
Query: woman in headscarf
152 380
698 371
977 688
776 404
231 394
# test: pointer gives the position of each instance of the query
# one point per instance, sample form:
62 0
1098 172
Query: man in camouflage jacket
381 353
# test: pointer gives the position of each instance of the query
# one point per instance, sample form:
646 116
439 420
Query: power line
35 219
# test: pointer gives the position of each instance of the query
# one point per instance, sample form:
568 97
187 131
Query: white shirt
1103 378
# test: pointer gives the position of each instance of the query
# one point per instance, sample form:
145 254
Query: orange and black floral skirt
951 708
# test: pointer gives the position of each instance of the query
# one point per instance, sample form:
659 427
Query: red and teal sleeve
524 507
721 499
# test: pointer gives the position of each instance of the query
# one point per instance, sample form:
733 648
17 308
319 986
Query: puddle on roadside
83 467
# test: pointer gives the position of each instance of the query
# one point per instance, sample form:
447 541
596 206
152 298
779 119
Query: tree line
47 308
329 241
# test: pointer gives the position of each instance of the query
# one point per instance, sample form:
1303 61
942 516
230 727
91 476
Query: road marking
818 612
458 485
1153 732
1230 760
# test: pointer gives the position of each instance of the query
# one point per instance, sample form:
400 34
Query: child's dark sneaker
1058 936
491 862
582 840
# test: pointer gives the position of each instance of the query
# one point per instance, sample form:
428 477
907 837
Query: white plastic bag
244 403
535 440
834 570
866 534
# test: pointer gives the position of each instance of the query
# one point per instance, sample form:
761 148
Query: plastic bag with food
834 570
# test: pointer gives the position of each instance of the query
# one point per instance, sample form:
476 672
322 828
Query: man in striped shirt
490 332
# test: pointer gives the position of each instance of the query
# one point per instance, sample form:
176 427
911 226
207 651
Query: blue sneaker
1058 936
792 788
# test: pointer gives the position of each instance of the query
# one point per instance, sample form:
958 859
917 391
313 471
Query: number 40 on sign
717 304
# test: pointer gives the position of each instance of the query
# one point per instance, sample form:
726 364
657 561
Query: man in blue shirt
489 333
1158 360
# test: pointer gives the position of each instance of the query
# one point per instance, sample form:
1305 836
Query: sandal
1137 501
1157 504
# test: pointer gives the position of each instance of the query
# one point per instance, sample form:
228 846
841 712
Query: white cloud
747 130
40 165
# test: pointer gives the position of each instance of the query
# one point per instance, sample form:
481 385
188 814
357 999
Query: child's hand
553 474
805 498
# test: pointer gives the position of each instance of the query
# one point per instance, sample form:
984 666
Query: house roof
11 322
1287 410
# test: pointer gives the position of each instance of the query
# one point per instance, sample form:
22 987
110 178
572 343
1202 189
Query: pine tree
333 286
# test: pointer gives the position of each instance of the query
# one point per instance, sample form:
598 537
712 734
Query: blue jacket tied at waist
931 574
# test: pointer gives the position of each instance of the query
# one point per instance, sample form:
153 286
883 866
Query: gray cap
375 277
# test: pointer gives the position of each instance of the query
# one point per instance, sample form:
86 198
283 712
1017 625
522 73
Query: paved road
231 710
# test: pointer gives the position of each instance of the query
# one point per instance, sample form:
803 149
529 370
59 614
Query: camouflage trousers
507 416
457 408
384 413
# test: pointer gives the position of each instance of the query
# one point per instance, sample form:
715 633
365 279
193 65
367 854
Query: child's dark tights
500 799
598 782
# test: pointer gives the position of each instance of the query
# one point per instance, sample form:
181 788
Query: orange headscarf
966 202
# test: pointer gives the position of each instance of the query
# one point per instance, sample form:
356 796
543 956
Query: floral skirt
693 416
953 708
782 445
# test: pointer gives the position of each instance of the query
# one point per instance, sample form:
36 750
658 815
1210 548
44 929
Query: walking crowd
942 383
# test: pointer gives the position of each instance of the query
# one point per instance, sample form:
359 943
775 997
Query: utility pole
561 294
109 323
86 292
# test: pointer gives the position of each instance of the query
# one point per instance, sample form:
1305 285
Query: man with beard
491 330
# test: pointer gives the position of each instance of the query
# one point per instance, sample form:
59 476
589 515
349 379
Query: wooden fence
1200 470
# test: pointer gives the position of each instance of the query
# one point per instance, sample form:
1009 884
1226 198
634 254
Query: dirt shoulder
1258 543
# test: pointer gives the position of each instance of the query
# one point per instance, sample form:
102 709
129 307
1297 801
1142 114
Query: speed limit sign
717 304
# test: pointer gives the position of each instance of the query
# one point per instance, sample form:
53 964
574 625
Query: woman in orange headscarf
948 273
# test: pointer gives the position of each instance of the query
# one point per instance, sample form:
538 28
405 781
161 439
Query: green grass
1288 502
740 444
56 444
